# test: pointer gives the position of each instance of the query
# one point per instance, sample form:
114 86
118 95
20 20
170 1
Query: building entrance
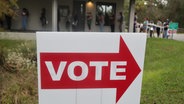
79 9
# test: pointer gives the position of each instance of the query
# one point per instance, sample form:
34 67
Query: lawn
163 72
163 75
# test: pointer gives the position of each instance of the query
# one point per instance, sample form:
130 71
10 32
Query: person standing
120 20
151 29
89 20
68 22
101 21
166 25
145 25
135 22
1 22
159 24
43 18
25 14
75 22
112 22
8 18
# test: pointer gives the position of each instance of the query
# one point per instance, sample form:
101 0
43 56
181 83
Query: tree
174 11
8 7
140 9
151 9
158 9
161 9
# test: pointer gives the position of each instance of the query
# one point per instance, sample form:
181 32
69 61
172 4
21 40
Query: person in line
75 22
135 22
145 25
141 27
159 24
151 29
68 21
89 20
43 18
25 14
8 18
101 21
120 20
166 26
112 22
1 22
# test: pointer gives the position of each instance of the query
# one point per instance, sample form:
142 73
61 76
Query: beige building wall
35 6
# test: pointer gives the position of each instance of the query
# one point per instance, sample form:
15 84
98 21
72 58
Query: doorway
79 9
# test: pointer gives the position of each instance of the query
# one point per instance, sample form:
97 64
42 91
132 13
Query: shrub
21 58
2 57
19 87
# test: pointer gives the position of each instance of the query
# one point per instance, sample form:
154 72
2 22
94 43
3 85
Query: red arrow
65 82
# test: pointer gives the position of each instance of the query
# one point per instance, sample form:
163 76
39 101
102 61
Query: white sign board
90 68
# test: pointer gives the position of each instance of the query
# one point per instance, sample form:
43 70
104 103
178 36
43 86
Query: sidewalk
32 36
18 35
179 37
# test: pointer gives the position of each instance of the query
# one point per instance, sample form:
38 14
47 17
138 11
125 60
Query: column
131 15
124 22
54 14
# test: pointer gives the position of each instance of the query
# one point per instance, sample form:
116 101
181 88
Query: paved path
179 37
18 35
32 36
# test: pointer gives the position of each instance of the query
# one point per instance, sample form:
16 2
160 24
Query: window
63 11
106 9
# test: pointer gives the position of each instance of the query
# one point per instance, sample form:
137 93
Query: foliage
161 9
19 87
174 11
151 9
4 43
2 57
8 7
126 11
20 58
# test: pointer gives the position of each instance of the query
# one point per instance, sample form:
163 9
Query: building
58 11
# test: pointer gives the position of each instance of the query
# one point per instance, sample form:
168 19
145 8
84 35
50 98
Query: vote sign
77 61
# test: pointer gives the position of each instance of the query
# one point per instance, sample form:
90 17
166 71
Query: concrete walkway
179 37
18 35
32 36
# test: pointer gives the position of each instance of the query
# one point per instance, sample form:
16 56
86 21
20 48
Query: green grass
9 43
163 77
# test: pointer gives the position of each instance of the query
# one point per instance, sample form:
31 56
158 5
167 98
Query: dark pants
158 31
89 26
112 28
8 21
151 33
134 29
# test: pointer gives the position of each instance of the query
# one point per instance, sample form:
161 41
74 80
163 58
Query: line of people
101 20
150 27
72 22
6 19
